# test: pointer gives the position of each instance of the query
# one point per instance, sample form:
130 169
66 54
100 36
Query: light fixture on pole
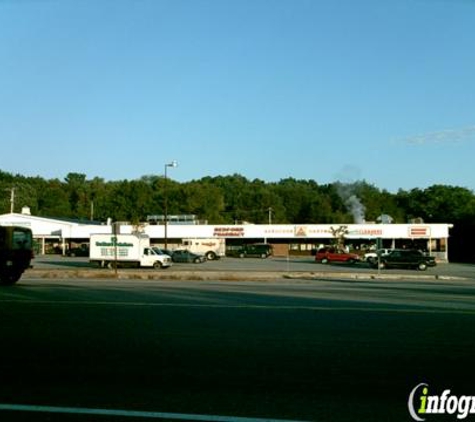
165 196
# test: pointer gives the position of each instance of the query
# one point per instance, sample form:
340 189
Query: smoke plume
352 202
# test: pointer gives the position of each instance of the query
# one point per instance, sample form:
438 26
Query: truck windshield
21 239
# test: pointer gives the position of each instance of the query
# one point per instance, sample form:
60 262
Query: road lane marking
132 413
392 308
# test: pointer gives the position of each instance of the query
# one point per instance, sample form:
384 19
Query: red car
326 255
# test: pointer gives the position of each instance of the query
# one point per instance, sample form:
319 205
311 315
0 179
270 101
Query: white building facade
58 235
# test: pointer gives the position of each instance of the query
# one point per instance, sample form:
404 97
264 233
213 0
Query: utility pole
12 199
165 196
269 210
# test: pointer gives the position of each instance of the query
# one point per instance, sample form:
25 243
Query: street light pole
165 196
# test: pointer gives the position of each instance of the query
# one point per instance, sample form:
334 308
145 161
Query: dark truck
405 258
16 252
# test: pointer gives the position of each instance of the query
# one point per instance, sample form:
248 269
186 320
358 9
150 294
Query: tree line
236 199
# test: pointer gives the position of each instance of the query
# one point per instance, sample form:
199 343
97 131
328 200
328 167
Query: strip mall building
57 235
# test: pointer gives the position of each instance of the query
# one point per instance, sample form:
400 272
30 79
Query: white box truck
108 250
211 248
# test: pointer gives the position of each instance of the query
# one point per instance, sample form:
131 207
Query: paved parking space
273 264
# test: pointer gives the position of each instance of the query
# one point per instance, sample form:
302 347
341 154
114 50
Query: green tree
77 190
438 204
53 200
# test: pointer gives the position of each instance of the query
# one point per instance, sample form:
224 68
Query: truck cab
16 253
150 258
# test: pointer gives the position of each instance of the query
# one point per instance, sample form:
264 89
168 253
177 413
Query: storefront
54 235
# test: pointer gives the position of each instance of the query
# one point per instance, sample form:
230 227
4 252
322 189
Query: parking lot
280 265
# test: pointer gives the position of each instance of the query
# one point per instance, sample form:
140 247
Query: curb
227 275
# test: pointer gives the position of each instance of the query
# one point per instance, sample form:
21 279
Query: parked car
331 254
183 255
372 256
259 250
81 250
406 258
161 251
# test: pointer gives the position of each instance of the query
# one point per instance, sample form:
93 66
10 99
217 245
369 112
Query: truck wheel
324 261
241 255
9 279
157 265
210 256
111 265
263 255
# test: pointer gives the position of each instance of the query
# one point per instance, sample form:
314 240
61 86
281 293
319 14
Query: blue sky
382 91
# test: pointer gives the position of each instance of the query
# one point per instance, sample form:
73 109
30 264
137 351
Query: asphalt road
300 350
